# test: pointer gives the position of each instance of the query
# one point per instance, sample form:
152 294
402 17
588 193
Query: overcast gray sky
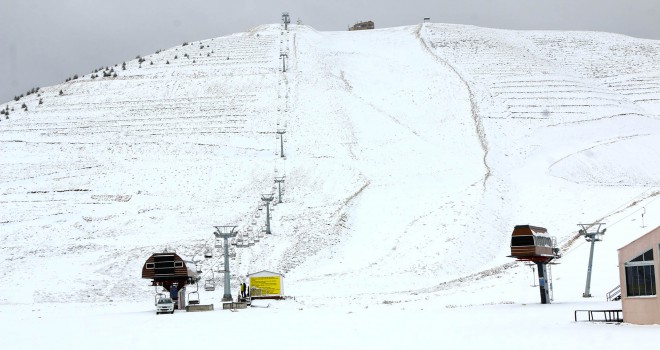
42 42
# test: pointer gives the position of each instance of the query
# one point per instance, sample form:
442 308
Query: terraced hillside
408 152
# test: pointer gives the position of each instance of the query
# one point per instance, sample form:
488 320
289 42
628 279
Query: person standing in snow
243 290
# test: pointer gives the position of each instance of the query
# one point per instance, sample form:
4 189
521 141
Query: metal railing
614 294
608 315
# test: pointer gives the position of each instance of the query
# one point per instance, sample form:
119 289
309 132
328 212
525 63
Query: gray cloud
42 42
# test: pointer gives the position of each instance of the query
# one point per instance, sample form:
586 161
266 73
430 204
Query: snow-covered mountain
411 153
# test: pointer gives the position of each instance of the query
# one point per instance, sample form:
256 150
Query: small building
362 26
639 273
532 243
168 269
266 285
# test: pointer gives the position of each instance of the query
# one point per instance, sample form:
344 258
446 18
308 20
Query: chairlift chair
193 300
159 296
218 243
208 254
209 285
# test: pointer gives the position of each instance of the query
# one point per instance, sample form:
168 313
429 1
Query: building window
150 265
522 241
178 264
640 275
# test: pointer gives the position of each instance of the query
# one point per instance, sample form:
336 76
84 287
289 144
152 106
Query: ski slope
410 154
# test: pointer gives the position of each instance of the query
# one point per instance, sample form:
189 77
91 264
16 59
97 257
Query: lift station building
639 274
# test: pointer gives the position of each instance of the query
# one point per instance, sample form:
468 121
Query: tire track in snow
473 104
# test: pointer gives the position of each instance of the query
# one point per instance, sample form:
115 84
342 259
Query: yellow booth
266 285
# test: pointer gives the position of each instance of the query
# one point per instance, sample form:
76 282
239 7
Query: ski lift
159 296
250 242
254 221
218 243
208 254
209 285
257 215
250 228
193 297
233 241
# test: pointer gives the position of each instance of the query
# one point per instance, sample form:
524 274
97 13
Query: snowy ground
410 155
292 325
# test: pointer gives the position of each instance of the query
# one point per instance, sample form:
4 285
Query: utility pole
286 20
281 132
284 56
267 198
226 232
279 181
592 237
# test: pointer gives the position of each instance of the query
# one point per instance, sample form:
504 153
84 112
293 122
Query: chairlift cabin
532 243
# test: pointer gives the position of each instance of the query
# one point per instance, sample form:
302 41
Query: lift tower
286 20
284 56
534 244
267 198
279 181
226 232
592 237
281 132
